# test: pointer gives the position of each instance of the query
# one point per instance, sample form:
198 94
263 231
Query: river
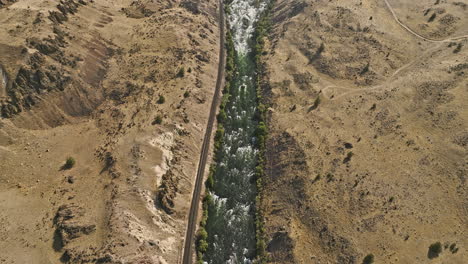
231 215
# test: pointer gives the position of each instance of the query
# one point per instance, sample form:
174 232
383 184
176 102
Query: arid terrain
368 140
123 88
104 105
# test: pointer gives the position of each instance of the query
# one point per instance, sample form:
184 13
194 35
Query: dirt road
192 220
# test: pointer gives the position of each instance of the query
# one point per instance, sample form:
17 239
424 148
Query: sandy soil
378 164
85 81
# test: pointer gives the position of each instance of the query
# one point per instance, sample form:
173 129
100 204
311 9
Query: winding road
380 86
416 34
193 214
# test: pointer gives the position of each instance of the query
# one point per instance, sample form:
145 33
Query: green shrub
222 116
210 182
348 157
202 246
161 99
321 48
434 250
365 69
157 120
69 163
186 94
181 72
202 234
458 48
369 259
261 129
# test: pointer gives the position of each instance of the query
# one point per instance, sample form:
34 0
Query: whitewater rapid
231 217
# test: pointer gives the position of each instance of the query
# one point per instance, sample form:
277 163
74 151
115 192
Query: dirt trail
416 34
380 86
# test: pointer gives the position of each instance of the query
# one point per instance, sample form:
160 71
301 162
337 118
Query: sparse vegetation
365 69
202 239
186 94
161 99
320 49
202 244
432 18
434 250
69 163
181 72
453 248
458 48
157 120
261 31
348 157
369 259
317 178
316 103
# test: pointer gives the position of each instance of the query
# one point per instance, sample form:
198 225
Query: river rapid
231 215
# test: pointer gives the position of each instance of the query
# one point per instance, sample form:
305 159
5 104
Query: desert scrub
365 69
157 120
348 157
458 48
369 259
434 250
186 94
181 72
69 163
316 103
161 99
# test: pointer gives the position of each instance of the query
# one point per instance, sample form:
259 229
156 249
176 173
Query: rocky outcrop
70 225
191 6
4 3
3 78
65 8
138 9
32 80
168 191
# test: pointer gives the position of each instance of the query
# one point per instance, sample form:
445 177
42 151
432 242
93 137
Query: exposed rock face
191 6
138 9
3 79
65 8
70 225
49 68
85 81
32 80
168 191
4 3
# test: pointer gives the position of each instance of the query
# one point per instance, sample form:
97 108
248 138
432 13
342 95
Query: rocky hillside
368 133
103 106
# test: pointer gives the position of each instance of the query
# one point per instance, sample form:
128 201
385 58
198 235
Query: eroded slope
124 87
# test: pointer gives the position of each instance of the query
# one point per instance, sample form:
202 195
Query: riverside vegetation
239 141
